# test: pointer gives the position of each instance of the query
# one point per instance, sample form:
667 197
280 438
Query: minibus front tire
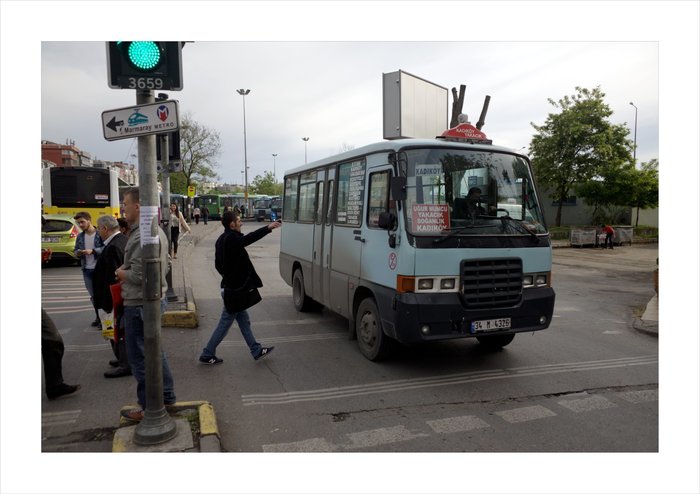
373 343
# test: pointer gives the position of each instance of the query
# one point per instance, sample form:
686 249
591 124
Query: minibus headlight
425 284
541 280
447 284
527 280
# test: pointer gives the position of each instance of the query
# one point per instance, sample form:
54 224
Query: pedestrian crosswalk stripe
525 414
463 423
595 402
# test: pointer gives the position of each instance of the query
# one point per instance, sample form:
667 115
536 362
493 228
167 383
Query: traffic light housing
153 65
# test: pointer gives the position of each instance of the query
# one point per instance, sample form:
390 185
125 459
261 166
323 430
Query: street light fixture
244 93
274 166
305 139
634 151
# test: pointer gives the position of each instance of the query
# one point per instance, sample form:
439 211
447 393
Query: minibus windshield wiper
456 232
518 223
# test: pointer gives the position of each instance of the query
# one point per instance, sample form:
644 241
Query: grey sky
331 92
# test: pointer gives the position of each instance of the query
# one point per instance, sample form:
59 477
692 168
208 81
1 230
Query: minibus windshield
469 192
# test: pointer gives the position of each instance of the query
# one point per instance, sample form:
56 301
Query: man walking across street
111 258
232 262
131 275
88 246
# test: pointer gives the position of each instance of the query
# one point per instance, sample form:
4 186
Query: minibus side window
351 186
378 197
290 198
307 197
329 213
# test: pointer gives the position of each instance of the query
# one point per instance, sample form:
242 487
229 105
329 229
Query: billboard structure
413 107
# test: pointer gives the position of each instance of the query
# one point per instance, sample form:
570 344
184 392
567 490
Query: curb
209 437
650 328
187 318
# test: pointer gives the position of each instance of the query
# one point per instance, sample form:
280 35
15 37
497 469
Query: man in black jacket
237 271
111 258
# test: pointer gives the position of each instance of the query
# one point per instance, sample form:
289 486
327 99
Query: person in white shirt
176 222
88 246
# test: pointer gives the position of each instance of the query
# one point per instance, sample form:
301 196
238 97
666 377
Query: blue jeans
87 279
133 326
225 322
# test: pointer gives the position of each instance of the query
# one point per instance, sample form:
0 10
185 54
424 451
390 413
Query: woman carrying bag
176 221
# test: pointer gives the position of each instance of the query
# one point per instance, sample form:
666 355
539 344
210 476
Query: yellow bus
69 190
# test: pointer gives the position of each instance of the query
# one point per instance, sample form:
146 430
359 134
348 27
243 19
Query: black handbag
239 299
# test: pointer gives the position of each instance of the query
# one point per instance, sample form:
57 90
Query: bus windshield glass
469 192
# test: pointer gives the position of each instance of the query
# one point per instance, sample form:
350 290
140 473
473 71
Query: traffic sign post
157 425
140 120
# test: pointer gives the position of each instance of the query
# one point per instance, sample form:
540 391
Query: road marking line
65 299
525 414
51 419
87 348
288 339
378 437
595 402
316 444
451 425
426 382
643 396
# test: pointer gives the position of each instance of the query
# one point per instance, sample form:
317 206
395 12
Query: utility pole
157 426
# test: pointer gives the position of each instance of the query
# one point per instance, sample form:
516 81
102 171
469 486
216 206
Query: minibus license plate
490 325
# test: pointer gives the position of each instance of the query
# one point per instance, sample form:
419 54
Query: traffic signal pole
157 426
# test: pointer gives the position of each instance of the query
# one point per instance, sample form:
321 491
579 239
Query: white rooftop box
413 107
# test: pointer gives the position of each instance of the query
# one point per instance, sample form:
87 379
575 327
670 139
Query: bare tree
199 148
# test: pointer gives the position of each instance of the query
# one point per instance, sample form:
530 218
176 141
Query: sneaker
96 323
62 390
114 363
264 352
210 360
135 414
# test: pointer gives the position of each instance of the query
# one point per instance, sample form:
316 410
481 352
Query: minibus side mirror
398 188
387 220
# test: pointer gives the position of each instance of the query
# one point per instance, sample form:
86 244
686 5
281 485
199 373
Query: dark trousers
119 346
52 352
608 240
174 234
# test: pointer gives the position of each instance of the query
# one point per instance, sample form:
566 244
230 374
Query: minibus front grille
490 283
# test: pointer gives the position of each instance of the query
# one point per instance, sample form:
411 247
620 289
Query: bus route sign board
135 121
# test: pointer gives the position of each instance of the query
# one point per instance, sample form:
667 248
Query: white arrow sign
135 121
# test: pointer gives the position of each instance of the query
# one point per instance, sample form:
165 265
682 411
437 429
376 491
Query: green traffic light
144 55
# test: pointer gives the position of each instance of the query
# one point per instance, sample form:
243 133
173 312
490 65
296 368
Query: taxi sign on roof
465 131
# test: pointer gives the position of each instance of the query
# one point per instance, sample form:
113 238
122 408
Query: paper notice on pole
148 225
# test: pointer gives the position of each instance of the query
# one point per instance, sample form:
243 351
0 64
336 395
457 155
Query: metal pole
244 92
165 208
634 151
157 426
274 167
305 139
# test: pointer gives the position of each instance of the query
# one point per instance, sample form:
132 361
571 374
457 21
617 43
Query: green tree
645 187
577 144
199 148
266 185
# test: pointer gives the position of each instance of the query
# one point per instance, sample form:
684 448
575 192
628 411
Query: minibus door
319 291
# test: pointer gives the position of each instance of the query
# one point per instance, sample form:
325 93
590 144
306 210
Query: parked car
58 234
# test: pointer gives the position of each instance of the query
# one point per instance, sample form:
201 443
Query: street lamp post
634 151
305 139
244 93
274 166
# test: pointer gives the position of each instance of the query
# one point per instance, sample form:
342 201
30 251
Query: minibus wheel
495 341
373 343
302 303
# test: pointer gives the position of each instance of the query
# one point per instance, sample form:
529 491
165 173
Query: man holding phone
88 246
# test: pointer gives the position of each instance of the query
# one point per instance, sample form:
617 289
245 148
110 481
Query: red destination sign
465 131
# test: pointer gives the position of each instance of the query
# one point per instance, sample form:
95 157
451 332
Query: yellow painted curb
181 318
207 420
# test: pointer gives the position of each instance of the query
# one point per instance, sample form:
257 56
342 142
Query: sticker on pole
428 218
